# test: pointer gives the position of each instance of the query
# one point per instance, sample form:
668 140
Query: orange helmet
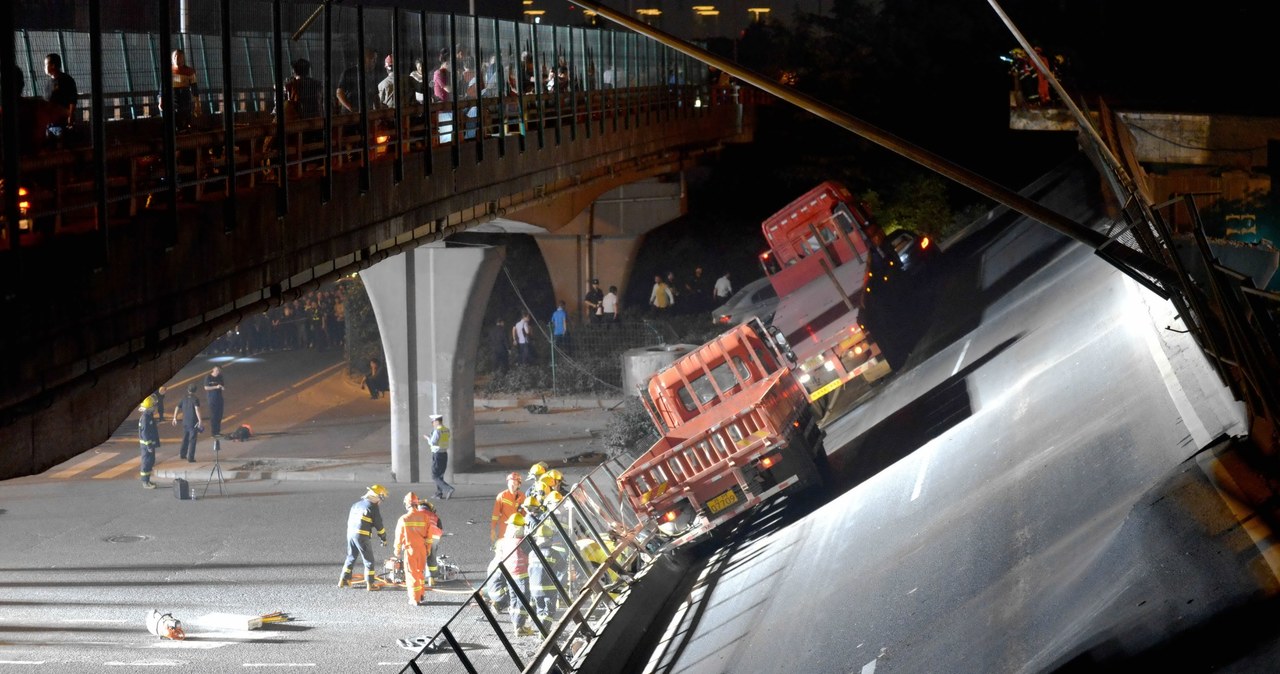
410 500
514 476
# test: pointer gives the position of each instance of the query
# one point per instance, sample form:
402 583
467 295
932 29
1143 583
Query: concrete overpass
120 281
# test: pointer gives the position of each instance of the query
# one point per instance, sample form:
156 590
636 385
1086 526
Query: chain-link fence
588 358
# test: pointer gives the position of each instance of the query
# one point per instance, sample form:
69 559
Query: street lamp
757 12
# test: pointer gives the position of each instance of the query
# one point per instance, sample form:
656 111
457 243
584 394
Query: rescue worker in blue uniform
364 520
148 438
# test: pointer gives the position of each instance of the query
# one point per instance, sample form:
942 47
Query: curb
551 403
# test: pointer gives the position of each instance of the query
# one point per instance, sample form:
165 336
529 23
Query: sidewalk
335 432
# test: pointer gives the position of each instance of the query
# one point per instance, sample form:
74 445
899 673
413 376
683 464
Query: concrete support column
573 260
601 240
429 303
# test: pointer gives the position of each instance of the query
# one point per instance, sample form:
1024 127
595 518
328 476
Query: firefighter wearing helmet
550 572
535 473
505 504
148 438
363 521
511 555
554 481
416 532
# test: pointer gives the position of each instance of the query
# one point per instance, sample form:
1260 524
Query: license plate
722 501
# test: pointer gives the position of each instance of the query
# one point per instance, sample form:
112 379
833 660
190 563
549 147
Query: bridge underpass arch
429 305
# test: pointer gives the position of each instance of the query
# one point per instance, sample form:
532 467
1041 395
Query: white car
757 299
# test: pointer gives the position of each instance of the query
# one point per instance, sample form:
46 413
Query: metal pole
1056 221
362 79
170 139
9 130
228 122
98 123
326 187
281 143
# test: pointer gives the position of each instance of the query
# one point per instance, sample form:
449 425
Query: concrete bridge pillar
601 240
429 303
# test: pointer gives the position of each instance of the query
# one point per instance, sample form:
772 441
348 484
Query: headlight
829 365
677 520
804 378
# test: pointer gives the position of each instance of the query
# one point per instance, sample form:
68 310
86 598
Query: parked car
757 299
915 251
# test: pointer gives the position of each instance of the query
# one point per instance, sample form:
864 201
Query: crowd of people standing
314 321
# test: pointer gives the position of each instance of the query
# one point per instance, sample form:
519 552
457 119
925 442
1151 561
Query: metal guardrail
541 606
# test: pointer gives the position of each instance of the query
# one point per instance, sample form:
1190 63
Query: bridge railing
526 85
544 602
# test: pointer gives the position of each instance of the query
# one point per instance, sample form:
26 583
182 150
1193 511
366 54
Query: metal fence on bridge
526 85
542 604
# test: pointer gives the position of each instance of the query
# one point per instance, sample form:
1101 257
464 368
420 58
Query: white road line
132 464
190 644
21 662
869 668
925 460
96 620
88 463
151 663
299 384
960 360
279 664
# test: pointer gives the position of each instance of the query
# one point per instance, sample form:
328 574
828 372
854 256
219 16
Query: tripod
217 468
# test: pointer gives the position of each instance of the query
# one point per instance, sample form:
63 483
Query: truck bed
813 314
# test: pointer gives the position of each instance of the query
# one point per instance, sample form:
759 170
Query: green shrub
630 430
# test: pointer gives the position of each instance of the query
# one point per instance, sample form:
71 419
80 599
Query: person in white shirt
723 288
522 335
609 306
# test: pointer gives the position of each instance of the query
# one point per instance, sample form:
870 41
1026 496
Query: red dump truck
826 257
737 428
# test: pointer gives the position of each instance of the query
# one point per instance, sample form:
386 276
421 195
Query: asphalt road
88 553
1027 494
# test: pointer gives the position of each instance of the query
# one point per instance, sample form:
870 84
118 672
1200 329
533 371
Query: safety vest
440 439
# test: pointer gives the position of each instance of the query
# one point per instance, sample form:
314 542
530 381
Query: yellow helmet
552 477
537 490
516 520
148 402
553 499
537 469
378 490
532 501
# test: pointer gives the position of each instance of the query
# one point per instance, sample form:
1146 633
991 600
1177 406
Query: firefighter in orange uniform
416 532
505 504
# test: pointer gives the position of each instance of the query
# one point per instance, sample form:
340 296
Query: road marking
300 384
279 664
925 460
88 463
869 668
198 645
151 663
21 662
119 470
960 360
95 620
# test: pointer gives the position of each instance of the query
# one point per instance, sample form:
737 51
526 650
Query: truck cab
736 429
